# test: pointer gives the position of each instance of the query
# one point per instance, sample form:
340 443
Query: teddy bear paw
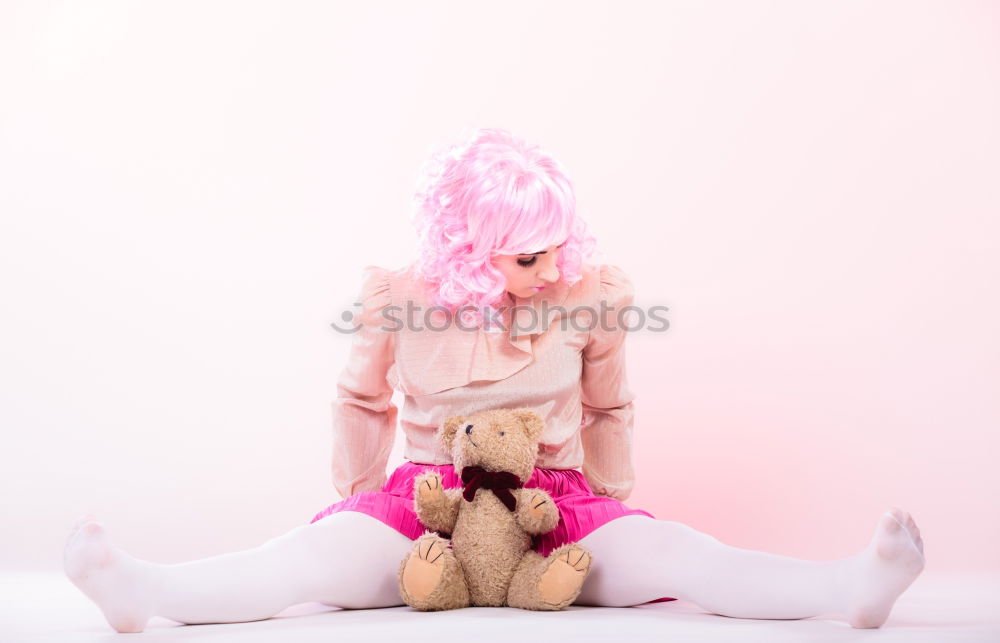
429 488
562 581
537 508
424 568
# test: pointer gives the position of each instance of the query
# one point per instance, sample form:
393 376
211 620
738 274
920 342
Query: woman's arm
364 418
606 430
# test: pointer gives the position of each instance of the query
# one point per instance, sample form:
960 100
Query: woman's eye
526 262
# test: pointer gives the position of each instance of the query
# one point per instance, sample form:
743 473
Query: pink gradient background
191 190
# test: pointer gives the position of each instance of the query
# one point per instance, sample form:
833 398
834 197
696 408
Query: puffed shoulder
374 295
615 287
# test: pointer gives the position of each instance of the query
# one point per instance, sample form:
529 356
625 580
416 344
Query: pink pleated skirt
580 511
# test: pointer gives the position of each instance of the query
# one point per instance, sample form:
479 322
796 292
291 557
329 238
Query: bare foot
109 577
892 561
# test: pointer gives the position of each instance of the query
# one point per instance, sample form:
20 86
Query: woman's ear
448 430
531 421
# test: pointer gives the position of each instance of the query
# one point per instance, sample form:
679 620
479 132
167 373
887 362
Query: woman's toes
910 526
80 522
82 519
885 570
86 550
906 519
889 523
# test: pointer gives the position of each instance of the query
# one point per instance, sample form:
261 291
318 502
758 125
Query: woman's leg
638 559
347 559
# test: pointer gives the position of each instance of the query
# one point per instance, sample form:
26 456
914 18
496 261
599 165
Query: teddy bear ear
449 428
532 422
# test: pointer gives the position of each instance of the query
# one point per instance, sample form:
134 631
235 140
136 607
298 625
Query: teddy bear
488 561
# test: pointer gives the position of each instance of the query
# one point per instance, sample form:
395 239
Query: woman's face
527 274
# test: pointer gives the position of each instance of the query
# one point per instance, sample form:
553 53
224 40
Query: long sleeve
606 430
364 418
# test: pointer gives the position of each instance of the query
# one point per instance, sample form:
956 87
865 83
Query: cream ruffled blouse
574 376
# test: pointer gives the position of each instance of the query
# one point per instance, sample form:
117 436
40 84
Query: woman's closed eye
530 262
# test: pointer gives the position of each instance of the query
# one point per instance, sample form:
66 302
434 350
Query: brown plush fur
489 560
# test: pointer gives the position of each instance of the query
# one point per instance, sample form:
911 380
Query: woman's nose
550 274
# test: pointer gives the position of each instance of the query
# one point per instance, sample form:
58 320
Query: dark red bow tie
499 482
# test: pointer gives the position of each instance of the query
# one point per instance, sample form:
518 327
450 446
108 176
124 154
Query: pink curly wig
492 194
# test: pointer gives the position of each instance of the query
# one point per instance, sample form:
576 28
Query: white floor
45 607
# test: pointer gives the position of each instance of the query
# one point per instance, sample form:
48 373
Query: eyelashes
527 263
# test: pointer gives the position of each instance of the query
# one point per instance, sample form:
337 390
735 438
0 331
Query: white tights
638 559
347 559
350 560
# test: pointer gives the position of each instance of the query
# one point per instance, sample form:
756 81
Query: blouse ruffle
440 354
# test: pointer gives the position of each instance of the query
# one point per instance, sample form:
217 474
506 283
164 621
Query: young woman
503 308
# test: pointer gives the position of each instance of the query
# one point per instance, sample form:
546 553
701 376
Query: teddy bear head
494 439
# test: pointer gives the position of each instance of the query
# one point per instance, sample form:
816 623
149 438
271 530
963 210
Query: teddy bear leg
431 578
549 583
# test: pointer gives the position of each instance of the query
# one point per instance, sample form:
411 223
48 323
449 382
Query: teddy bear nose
468 430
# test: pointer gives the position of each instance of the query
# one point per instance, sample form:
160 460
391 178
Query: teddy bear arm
443 514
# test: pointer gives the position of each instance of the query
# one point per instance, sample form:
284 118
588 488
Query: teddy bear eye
501 433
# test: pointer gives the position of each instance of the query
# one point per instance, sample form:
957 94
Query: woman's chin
531 292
